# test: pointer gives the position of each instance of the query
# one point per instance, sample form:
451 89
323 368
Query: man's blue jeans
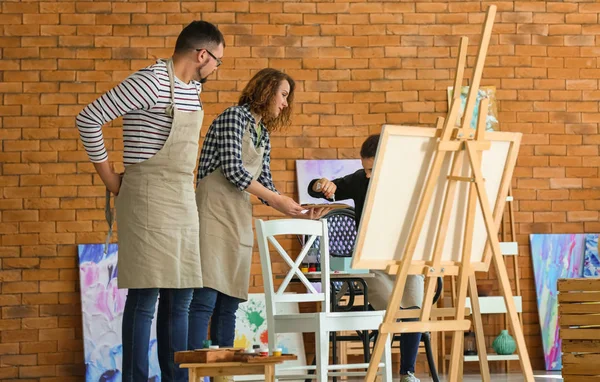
208 302
171 328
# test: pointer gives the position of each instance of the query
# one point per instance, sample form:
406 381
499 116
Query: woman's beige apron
157 213
226 236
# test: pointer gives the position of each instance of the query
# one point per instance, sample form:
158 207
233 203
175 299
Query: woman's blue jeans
171 328
207 303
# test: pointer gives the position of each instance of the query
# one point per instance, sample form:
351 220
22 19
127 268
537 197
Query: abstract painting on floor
102 305
591 260
251 329
555 256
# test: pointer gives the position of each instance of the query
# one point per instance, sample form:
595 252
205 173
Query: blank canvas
403 159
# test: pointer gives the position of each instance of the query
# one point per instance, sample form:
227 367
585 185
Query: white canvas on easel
403 160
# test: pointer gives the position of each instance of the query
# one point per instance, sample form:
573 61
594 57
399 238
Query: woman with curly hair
234 163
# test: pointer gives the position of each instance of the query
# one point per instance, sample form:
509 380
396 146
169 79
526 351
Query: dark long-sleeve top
223 148
353 186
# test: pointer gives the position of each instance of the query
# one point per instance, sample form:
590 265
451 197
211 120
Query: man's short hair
369 146
199 35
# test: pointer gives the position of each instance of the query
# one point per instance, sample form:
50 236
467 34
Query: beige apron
226 236
157 213
381 286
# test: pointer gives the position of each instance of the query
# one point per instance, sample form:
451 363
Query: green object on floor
504 344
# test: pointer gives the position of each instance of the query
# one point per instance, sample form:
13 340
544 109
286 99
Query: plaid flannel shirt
223 148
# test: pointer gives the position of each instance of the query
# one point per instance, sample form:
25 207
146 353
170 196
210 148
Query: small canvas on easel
489 92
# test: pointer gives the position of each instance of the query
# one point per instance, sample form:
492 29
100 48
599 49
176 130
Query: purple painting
591 260
102 306
307 170
555 256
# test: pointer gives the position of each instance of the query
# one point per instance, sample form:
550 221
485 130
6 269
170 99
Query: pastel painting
307 170
591 260
555 256
102 305
489 92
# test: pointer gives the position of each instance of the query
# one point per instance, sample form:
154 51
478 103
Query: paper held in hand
333 206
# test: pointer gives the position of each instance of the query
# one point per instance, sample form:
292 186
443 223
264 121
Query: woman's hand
286 205
317 213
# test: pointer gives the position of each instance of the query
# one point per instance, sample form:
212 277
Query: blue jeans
409 347
208 303
171 328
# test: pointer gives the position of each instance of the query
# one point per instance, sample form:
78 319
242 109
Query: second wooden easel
465 147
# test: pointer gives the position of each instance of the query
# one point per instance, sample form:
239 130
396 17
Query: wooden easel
463 144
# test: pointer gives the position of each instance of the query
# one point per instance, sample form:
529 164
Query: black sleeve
346 187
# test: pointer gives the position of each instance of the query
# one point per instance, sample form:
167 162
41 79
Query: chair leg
387 360
314 363
426 338
364 335
334 351
322 354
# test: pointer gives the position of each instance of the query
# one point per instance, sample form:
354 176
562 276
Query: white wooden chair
321 323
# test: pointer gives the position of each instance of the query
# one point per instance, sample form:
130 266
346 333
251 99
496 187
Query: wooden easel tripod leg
463 280
492 231
402 273
478 326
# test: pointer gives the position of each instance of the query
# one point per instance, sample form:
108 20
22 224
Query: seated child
354 186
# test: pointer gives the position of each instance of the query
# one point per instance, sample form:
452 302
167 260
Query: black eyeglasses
219 62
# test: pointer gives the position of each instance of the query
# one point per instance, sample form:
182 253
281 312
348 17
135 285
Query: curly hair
260 92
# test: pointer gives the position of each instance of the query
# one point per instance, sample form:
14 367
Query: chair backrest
266 232
342 231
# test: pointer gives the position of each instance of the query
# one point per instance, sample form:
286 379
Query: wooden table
205 363
216 369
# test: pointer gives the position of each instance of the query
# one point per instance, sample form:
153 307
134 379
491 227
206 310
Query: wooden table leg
192 375
270 373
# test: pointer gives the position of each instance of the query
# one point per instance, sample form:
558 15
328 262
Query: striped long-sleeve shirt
141 99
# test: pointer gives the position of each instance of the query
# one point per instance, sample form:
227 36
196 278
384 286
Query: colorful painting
251 329
555 256
591 260
102 305
307 170
484 91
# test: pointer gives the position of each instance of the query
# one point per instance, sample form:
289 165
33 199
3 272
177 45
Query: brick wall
358 65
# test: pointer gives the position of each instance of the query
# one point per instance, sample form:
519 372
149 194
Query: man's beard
202 79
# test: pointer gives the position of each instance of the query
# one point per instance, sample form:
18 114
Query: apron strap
170 108
109 214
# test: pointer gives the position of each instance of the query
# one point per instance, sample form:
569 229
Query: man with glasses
155 198
218 60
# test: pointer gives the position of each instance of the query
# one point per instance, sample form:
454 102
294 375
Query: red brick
19 335
18 360
38 347
37 371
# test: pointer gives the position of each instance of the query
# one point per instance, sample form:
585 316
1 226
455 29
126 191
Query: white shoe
410 377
